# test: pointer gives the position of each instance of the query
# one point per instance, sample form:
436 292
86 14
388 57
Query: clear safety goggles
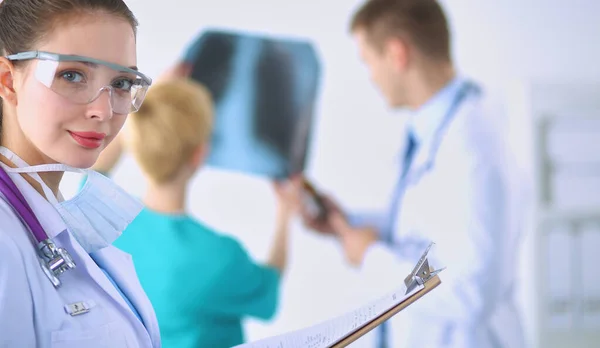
82 79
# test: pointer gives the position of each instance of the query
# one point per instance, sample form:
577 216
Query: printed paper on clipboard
331 332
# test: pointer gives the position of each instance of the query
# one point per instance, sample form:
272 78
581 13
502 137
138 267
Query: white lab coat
32 311
468 203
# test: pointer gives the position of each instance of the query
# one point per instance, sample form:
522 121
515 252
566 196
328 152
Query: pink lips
90 140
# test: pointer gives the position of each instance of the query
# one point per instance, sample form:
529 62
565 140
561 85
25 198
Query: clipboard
421 275
337 333
429 285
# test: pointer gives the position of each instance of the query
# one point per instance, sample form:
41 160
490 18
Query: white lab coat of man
33 313
459 192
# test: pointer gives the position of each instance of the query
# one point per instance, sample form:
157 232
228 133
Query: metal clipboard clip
421 273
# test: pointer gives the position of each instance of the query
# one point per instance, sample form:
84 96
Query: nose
101 106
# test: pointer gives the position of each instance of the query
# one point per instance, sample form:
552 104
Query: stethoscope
467 89
54 260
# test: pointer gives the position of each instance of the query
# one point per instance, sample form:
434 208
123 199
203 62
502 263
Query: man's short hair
421 22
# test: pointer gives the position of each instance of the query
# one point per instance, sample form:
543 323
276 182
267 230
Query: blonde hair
175 119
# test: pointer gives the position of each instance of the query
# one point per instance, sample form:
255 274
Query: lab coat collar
425 122
46 214
121 268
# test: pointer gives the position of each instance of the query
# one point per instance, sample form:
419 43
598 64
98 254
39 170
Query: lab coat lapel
121 268
420 163
55 227
92 268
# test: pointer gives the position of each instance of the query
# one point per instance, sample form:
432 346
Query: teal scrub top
201 283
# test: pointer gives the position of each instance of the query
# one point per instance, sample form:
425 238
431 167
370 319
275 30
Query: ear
7 91
199 156
397 53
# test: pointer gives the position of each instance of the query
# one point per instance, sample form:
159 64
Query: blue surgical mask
97 215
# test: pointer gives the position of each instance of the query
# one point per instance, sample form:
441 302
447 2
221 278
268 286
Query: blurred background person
455 188
202 283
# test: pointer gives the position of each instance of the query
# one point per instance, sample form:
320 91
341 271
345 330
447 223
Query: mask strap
47 192
42 168
11 156
34 170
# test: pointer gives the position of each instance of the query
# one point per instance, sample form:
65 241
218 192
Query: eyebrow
95 65
90 64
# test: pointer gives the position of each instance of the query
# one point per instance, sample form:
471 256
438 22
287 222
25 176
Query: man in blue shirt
456 187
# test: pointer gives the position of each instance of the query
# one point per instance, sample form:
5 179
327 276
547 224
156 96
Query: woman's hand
288 196
179 70
287 192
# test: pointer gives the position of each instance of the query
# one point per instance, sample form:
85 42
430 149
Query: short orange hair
174 120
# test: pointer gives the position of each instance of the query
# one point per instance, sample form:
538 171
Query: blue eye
72 76
123 84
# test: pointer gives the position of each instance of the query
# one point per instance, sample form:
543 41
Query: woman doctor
67 81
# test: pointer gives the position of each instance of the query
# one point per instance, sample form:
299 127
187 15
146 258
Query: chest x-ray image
265 90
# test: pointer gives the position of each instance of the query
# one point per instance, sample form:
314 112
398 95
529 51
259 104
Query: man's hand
355 241
321 225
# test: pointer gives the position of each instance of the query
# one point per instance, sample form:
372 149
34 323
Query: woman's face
60 130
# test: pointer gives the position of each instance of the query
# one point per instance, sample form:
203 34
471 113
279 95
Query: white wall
495 41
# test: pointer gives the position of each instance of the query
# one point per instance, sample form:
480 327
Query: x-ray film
265 91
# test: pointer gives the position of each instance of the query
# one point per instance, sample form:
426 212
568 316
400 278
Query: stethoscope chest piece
53 279
55 261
